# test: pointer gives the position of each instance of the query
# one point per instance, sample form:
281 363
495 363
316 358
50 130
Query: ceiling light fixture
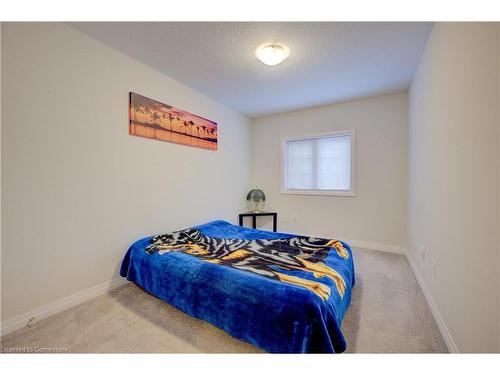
271 54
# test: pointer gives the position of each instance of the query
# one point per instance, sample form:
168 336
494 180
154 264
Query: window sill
333 193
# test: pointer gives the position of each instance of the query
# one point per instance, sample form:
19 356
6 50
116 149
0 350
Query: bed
280 292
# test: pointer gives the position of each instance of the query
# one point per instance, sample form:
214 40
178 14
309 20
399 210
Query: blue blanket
252 295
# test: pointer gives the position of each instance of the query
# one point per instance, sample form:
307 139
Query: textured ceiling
329 61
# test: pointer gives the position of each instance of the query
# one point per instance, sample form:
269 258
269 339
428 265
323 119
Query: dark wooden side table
254 215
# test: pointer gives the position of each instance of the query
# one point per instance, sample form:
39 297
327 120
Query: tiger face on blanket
263 257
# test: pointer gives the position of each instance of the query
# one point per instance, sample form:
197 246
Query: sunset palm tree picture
152 119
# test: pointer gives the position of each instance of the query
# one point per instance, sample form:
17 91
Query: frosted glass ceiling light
271 54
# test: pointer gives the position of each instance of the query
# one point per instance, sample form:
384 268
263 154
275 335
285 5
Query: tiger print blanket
282 292
266 257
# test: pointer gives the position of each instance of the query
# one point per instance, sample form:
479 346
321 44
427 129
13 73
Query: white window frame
340 193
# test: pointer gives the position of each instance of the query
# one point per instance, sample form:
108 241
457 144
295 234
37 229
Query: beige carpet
388 314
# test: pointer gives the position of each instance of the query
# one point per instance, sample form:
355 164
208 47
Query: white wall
0 165
498 56
77 189
378 213
454 179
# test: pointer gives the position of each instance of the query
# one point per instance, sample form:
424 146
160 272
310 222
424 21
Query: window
319 165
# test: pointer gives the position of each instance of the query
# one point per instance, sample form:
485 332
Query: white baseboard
448 338
376 246
42 312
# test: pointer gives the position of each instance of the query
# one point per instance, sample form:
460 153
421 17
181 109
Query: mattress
281 292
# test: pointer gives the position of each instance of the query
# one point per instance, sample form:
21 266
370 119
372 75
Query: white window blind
320 163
